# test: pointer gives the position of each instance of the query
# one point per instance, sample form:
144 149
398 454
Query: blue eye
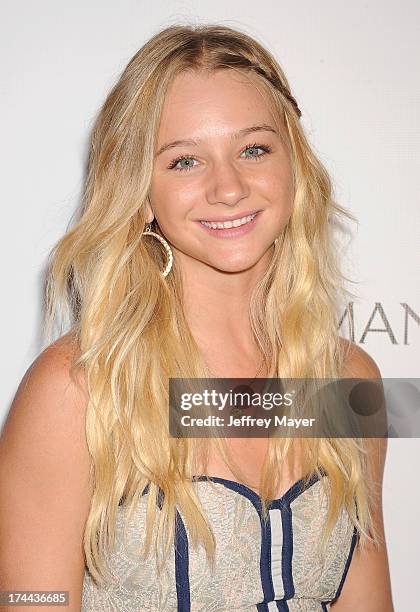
254 147
179 160
189 158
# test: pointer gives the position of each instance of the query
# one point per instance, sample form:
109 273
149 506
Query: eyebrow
263 127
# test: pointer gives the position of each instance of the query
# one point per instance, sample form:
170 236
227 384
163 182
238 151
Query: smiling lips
228 224
230 229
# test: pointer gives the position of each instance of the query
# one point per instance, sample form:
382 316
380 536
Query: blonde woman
203 248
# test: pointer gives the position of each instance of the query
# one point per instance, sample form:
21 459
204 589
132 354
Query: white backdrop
354 69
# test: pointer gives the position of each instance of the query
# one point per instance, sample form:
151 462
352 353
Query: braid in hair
236 61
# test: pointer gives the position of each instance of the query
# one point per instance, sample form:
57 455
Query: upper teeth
227 224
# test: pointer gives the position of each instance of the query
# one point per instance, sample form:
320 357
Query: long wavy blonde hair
128 320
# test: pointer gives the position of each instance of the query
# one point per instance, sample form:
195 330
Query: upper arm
45 485
367 586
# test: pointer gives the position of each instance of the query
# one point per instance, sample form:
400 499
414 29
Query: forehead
205 105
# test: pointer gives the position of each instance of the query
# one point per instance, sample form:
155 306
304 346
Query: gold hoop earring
148 232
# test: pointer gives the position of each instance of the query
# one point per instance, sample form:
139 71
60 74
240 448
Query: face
211 166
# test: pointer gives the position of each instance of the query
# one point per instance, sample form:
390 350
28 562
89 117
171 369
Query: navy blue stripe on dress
287 553
346 567
354 540
181 565
271 606
181 554
265 559
283 505
265 555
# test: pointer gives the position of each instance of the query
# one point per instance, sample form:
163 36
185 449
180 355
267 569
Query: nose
226 184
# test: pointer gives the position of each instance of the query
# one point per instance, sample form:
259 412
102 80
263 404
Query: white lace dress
259 566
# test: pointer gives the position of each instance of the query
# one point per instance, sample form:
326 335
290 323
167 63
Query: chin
234 266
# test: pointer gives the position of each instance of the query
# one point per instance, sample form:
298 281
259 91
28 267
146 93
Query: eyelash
266 149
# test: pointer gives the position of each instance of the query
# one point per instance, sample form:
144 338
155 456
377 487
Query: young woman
203 248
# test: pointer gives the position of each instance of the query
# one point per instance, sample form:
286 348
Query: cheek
172 202
172 193
279 190
159 188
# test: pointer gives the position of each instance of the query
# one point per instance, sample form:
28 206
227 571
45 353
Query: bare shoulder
358 363
45 475
368 584
51 395
58 359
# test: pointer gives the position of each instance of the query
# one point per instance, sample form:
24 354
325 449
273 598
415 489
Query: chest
257 567
249 454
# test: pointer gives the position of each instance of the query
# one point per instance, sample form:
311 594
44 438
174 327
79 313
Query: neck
216 306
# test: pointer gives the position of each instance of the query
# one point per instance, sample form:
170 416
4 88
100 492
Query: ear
150 215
